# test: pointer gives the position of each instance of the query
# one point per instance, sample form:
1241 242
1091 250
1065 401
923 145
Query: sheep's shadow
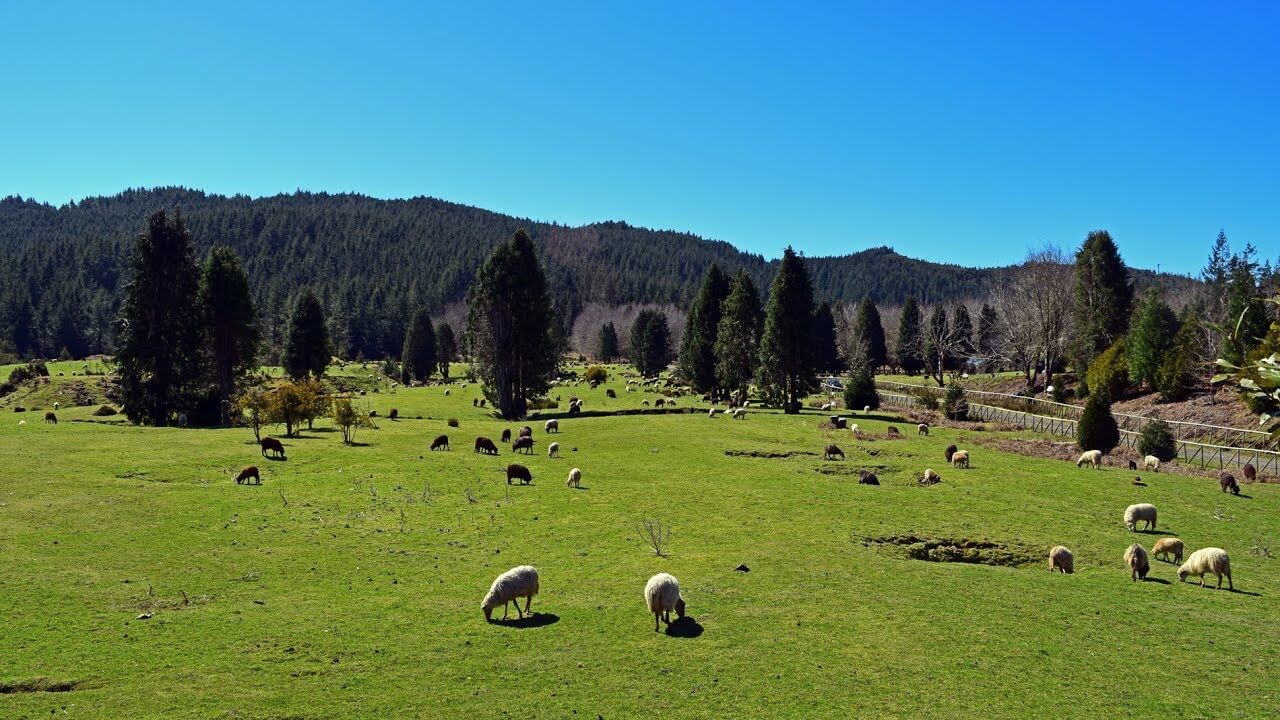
276 458
1243 592
530 620
685 627
581 487
1153 531
1156 580
1246 497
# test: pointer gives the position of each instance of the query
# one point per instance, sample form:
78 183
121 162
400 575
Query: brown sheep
831 452
440 442
1250 472
1136 558
1060 558
523 442
506 435
893 432
866 477
922 428
1133 465
247 473
951 450
49 417
611 393
1228 482
394 414
486 446
1167 547
960 459
518 472
526 431
475 402
272 444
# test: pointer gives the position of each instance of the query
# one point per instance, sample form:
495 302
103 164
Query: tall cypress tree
306 345
607 346
826 355
509 327
230 322
738 338
910 348
446 348
158 331
697 359
418 357
1103 297
1150 338
786 373
868 329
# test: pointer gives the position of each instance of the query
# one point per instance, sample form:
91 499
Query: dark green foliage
697 358
738 338
1108 376
868 329
306 344
159 330
510 327
826 356
1246 312
30 371
1157 439
910 349
607 346
1103 296
1150 337
650 346
860 388
786 371
962 338
955 406
230 324
1097 429
446 348
418 359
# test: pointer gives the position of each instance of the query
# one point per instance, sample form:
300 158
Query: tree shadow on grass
532 620
357 444
685 627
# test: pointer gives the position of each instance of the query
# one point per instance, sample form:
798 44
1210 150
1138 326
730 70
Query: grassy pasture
349 583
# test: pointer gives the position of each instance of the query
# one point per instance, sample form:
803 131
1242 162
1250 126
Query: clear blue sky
962 132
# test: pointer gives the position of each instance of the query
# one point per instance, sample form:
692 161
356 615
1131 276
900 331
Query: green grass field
348 584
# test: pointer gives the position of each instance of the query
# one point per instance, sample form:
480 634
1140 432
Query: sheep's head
680 608
487 606
1182 574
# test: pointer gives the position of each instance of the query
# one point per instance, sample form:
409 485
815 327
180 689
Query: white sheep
739 414
827 406
553 450
1151 462
960 458
866 409
853 428
711 413
551 426
446 392
1093 457
518 582
56 405
922 429
1207 560
575 479
1060 558
1136 558
662 595
1142 512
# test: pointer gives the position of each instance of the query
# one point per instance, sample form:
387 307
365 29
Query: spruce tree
229 316
158 332
418 358
509 327
786 372
1179 370
1246 319
1150 337
446 348
868 329
306 345
650 346
738 338
607 346
1103 297
910 348
1097 429
962 336
826 356
697 359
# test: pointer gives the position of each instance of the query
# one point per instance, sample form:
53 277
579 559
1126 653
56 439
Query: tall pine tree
418 357
607 346
868 329
826 355
787 372
1150 337
962 335
1103 297
159 330
738 338
697 358
650 343
446 348
230 322
910 349
306 344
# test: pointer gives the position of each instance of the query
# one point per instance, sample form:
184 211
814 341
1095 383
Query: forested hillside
372 262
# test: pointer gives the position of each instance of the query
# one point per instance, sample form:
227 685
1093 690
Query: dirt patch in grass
853 470
958 550
768 454
38 685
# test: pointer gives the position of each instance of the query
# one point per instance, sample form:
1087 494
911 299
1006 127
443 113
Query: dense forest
374 262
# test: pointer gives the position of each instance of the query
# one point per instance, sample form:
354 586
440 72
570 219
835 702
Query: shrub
1059 393
595 374
926 399
1097 429
30 371
955 406
453 422
860 390
1108 375
104 411
346 418
7 388
1157 439
543 404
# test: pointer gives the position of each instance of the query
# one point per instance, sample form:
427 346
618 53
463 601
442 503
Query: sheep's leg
506 607
656 617
527 603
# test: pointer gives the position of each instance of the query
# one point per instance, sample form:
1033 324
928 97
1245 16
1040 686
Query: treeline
373 263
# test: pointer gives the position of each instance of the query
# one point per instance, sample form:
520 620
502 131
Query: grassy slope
359 599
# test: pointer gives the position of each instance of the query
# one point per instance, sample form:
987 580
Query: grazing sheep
831 451
711 413
373 413
1133 465
1228 482
1207 560
526 431
1138 481
49 417
1093 457
1136 558
739 414
575 479
930 478
866 409
892 432
1249 471
853 428
866 477
1060 558
21 423
482 401
506 435
951 450
645 403
56 404
524 442
922 429
575 409
662 595
518 472
553 450
446 392
486 446
610 393
1142 512
394 414
960 459
440 442
1167 547
551 426
272 444
827 406
1151 462
659 402
518 582
250 472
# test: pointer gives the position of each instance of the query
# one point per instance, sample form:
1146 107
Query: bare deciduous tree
1034 308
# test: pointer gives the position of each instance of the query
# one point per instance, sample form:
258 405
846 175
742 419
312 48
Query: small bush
1059 394
595 374
860 391
955 406
543 404
453 422
30 371
926 399
1157 439
1097 429
104 411
7 388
